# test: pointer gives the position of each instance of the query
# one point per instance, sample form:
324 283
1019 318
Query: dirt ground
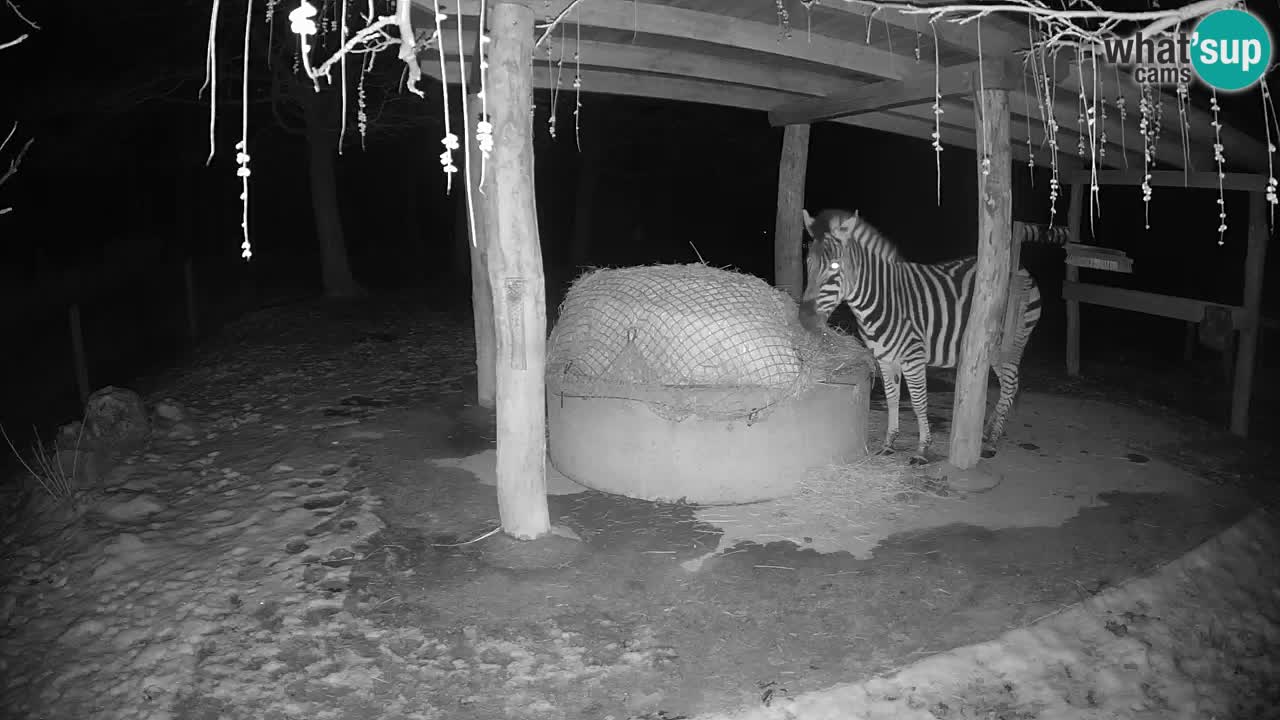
318 549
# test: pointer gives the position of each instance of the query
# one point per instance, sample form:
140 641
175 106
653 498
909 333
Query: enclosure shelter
948 83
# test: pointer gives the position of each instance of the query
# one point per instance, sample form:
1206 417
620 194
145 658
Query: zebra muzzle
810 318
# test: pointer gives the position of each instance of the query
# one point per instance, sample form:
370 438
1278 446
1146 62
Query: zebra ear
808 223
845 226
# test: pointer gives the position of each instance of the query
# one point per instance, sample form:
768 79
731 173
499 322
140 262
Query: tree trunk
991 284
478 270
788 238
335 268
463 253
516 280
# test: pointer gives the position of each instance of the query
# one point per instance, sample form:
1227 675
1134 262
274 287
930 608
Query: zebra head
826 267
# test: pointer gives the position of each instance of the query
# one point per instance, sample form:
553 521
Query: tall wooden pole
788 234
991 285
516 279
1254 263
1075 219
478 242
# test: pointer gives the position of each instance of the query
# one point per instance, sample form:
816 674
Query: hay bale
676 325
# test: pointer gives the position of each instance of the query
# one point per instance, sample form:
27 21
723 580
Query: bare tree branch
13 164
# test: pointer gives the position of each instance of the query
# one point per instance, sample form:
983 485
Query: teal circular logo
1231 49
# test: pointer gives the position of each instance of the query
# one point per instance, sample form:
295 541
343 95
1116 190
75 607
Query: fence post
77 350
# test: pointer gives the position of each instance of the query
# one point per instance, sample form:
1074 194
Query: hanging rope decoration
1120 105
484 128
1144 127
556 72
302 25
915 20
211 77
271 25
1269 117
937 114
1048 98
362 114
450 141
1090 128
982 88
551 73
1080 107
808 22
242 147
577 86
1101 103
1184 124
1220 159
1031 151
342 40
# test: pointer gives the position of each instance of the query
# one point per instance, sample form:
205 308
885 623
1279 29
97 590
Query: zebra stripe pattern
911 315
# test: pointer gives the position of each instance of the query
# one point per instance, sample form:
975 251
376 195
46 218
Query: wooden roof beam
923 85
682 63
715 93
650 19
1205 180
690 64
1000 35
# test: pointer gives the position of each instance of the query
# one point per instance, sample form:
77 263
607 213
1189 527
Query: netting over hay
692 339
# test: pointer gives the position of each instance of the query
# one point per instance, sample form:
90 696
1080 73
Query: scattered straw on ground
832 504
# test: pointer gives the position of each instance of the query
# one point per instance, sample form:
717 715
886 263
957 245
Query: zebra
911 315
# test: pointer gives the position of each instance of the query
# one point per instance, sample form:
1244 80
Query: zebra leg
1007 373
891 377
917 387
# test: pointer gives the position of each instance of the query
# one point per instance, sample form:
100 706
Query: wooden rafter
712 29
678 89
922 85
807 65
1204 179
1000 36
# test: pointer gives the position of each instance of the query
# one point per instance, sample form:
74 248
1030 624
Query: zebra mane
873 242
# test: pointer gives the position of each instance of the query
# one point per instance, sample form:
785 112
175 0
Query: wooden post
516 279
991 285
77 352
478 243
1012 309
1246 352
193 317
788 273
1075 216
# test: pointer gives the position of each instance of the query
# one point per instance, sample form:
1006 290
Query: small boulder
169 411
117 419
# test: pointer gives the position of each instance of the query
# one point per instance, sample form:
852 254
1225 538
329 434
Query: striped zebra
910 315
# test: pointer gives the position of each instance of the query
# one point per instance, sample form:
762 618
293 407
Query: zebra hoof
988 452
918 460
